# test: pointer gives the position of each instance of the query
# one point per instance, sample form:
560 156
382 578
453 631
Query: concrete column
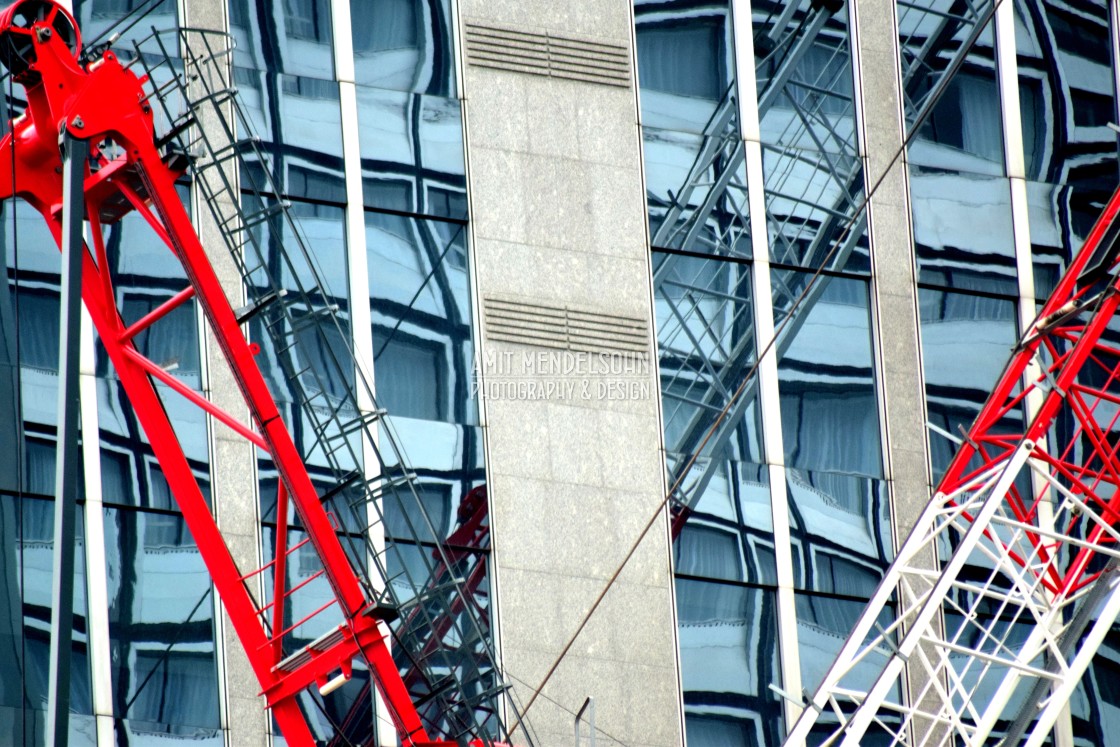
233 469
558 218
894 278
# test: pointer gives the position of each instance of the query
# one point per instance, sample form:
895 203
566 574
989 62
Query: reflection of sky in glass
728 662
829 410
412 153
404 45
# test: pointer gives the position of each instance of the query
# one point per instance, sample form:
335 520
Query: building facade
694 295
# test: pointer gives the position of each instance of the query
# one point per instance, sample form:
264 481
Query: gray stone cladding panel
558 219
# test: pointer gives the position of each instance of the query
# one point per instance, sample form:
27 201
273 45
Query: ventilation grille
563 327
549 55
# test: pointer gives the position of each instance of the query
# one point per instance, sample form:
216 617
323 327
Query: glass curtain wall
160 643
1009 168
412 248
756 206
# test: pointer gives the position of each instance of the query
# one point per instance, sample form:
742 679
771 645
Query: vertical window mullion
767 372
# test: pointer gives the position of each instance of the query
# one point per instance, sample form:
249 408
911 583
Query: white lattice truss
997 602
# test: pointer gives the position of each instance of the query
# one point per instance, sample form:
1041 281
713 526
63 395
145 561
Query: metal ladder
137 135
444 654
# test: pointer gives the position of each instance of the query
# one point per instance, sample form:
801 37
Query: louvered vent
548 54
563 327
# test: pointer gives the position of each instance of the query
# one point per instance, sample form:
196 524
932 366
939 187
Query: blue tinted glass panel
1067 99
448 462
420 305
813 174
686 63
33 577
966 340
404 45
1095 705
299 122
130 472
823 625
160 625
314 348
706 345
729 659
964 131
412 153
1061 217
814 208
99 19
803 69
1066 90
932 36
840 530
31 294
130 731
729 532
284 36
696 187
829 409
963 230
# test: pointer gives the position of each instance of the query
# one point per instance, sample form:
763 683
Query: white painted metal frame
789 654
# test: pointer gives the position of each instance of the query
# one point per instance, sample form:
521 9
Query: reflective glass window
1095 704
814 208
283 36
932 35
840 530
729 531
1066 97
803 69
966 340
160 626
729 659
696 187
99 19
300 124
32 289
963 230
829 409
706 345
404 45
964 130
823 625
420 304
813 175
1067 92
412 153
686 64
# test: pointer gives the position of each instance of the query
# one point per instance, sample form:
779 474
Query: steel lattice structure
1000 597
824 222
